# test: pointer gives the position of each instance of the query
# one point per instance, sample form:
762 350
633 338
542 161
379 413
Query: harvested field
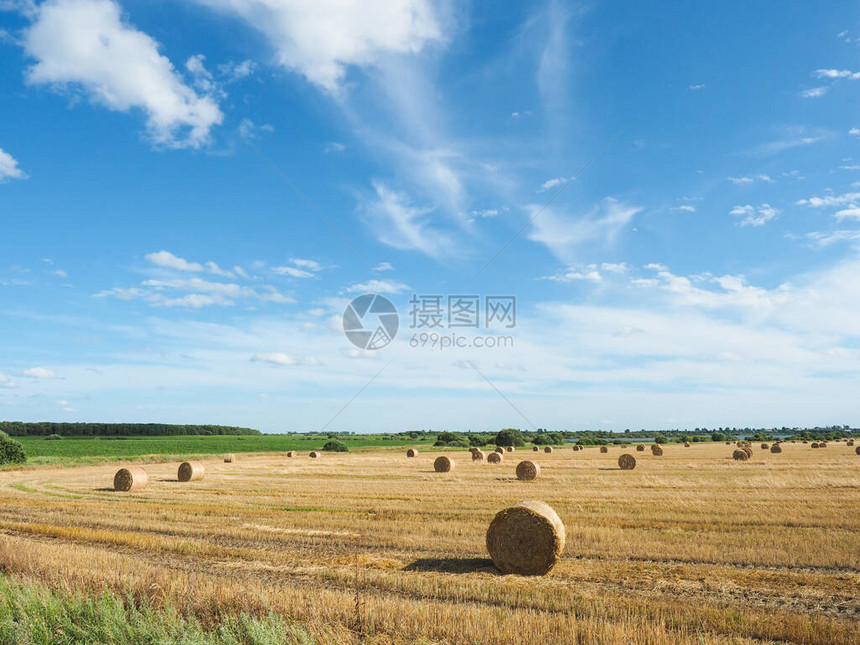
376 548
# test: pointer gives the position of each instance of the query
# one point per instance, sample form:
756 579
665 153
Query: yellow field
690 547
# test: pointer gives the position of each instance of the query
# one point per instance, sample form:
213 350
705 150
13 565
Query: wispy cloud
564 233
753 216
740 181
378 286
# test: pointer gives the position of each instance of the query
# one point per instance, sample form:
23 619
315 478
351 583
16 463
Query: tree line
45 428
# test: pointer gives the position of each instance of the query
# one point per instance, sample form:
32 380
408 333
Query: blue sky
701 271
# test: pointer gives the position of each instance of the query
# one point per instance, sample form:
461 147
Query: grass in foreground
33 614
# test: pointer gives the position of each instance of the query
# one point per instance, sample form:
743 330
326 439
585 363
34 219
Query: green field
94 449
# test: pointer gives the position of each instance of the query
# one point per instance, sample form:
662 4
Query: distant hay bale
728 443
747 450
509 449
857 450
478 455
764 446
604 449
822 444
443 464
641 447
500 450
686 444
291 453
805 441
814 444
526 539
740 455
548 449
494 457
527 471
229 457
535 448
190 471
624 446
412 452
850 442
775 448
656 450
314 454
627 462
131 478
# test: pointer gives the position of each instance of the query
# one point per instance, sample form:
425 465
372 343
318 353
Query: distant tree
335 446
718 436
510 437
659 438
11 452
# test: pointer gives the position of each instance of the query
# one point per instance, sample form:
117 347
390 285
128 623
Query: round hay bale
740 455
494 458
412 452
131 478
604 449
822 444
624 446
850 442
190 471
686 444
478 455
857 450
443 464
500 450
728 443
775 448
764 446
627 462
814 444
314 454
527 471
747 450
291 453
228 458
526 539
509 449
656 450
805 441
548 449
535 448
640 447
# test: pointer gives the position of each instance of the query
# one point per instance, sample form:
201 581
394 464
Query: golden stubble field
690 547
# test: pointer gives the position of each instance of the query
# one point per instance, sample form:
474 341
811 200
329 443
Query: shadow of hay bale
454 565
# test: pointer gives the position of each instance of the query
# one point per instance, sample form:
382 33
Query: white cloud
829 200
837 73
384 266
300 268
237 71
738 181
563 234
699 86
397 223
815 92
553 183
6 382
852 212
86 44
38 372
167 260
687 208
334 146
754 216
378 286
855 132
320 39
487 213
821 239
9 167
279 358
